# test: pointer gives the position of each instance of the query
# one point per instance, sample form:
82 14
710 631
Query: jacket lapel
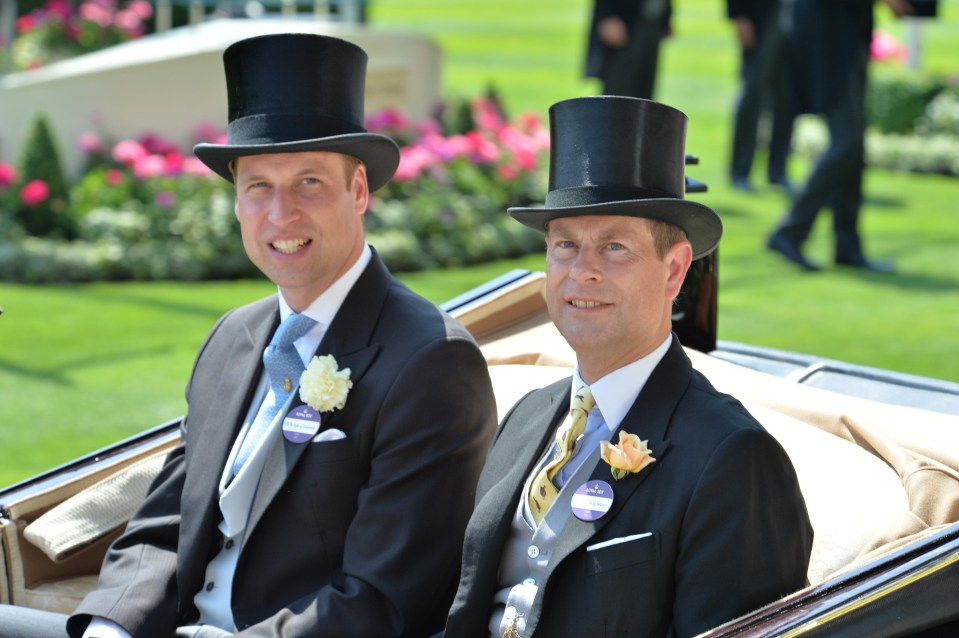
517 447
233 393
649 418
349 340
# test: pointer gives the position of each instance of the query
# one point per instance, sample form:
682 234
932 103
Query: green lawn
82 366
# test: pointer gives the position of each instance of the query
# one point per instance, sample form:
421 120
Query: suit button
533 551
210 586
229 544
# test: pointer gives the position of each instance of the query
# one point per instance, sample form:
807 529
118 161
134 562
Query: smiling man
337 510
633 499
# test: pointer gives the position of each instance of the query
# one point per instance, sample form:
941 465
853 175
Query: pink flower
509 172
487 114
8 175
96 13
129 22
90 142
59 8
164 199
114 177
34 192
174 163
386 119
129 152
26 24
157 145
414 160
193 166
205 132
141 8
484 151
885 47
150 166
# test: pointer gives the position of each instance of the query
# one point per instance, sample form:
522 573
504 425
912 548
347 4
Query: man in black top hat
694 515
336 510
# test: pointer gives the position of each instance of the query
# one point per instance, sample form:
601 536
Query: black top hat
613 155
298 92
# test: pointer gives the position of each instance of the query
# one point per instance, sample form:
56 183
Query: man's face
301 219
607 291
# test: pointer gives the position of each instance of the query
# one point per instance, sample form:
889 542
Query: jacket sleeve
137 586
746 538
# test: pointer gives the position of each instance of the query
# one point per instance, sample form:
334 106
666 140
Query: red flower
26 23
34 192
8 175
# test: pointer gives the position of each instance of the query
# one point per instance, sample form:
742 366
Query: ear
677 260
360 189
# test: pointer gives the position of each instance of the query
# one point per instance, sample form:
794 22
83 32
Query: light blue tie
284 367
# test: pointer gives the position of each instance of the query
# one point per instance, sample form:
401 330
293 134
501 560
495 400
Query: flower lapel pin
629 456
324 387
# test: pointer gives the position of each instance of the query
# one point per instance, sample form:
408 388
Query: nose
284 209
585 266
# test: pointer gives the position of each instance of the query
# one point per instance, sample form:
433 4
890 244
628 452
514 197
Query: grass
83 366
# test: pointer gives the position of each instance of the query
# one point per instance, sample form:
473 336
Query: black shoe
860 261
742 184
788 249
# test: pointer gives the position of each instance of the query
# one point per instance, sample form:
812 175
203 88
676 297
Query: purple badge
592 500
301 424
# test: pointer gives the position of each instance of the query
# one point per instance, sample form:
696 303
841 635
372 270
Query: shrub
896 99
941 116
43 209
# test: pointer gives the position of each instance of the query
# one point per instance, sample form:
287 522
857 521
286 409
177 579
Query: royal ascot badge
592 500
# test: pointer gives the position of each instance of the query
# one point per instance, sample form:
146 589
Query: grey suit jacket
355 537
729 529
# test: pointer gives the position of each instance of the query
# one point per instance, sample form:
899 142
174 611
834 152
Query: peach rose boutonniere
324 387
629 456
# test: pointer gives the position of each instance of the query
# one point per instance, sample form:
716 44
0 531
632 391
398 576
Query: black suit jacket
729 529
827 48
355 537
630 12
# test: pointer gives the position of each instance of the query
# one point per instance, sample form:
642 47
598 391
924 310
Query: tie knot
292 328
583 400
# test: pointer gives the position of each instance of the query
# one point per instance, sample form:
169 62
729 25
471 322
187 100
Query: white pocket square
329 435
617 541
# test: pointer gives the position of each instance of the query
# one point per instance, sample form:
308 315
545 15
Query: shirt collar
325 307
616 392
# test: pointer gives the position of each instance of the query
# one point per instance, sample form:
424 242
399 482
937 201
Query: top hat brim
701 224
379 153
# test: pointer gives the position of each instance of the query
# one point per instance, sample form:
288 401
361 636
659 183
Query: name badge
301 424
592 500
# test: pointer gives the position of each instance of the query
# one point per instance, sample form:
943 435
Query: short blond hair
665 235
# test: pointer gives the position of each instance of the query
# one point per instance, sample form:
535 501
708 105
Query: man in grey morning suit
347 517
706 525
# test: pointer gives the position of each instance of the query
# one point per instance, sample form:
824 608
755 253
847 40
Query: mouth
585 305
289 246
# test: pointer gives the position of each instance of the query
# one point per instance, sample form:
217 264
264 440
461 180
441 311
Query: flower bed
146 209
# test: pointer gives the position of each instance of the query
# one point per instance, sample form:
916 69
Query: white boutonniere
323 387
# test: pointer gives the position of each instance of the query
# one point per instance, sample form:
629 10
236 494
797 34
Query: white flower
322 386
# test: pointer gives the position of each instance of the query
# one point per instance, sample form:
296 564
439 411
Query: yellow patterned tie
542 492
